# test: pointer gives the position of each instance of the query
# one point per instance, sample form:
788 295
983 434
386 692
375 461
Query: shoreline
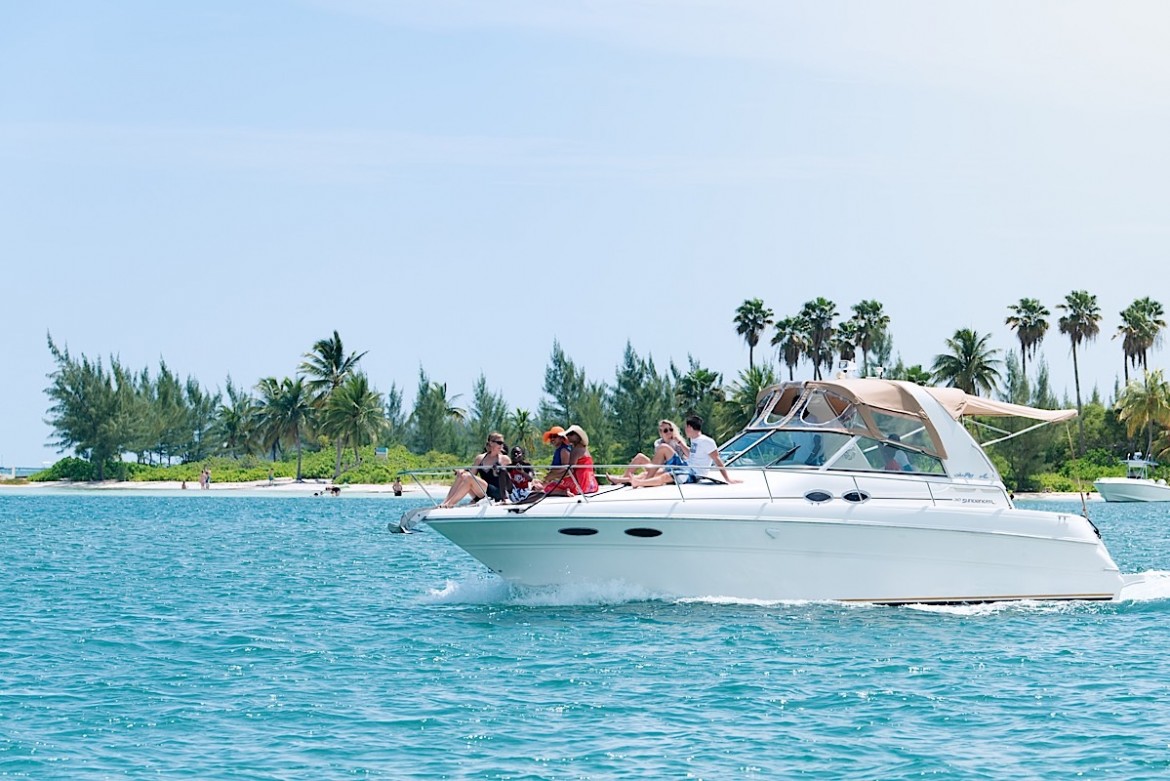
287 486
281 486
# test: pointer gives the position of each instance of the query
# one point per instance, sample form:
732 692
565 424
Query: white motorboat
815 516
1136 486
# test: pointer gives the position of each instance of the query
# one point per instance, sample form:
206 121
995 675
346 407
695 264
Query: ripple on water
296 638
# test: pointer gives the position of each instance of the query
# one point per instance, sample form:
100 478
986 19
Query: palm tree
917 375
522 429
1029 320
751 318
432 415
236 421
286 409
1081 324
353 415
872 322
845 340
1142 405
818 316
698 392
970 364
1140 330
327 367
791 341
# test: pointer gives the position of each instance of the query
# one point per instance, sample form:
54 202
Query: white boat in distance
816 516
1136 486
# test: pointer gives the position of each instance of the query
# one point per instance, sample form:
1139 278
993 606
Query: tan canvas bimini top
894 396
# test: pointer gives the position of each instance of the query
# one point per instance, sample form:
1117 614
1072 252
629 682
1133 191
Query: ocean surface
217 637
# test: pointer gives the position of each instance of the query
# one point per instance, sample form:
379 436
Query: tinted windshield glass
731 451
869 454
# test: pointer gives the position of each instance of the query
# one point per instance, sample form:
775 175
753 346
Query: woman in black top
483 477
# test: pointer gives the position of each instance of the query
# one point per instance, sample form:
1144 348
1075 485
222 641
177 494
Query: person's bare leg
636 462
459 489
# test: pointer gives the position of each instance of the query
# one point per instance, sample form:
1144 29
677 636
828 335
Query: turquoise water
210 637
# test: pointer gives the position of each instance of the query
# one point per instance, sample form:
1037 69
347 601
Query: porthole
855 496
578 531
640 532
817 497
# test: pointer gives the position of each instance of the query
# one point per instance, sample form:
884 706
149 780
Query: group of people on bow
504 477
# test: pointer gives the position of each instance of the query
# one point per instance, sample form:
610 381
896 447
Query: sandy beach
284 486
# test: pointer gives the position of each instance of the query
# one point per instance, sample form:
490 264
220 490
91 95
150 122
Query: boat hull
1127 489
891 552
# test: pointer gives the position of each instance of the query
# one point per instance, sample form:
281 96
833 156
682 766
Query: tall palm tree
845 340
286 409
970 364
1029 319
268 389
1143 405
327 367
791 341
353 415
818 316
1081 324
872 323
1141 328
751 318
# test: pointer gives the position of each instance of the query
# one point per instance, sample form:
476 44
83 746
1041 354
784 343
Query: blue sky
457 184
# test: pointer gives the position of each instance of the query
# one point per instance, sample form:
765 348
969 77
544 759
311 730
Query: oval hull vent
578 531
855 496
641 532
818 497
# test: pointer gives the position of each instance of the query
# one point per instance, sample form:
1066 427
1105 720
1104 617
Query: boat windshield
820 409
787 448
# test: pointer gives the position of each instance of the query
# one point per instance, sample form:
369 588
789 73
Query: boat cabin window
909 430
869 454
776 406
817 408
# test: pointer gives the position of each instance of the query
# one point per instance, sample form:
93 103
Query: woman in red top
581 478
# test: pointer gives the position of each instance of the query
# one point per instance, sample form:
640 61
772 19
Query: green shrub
1059 483
68 468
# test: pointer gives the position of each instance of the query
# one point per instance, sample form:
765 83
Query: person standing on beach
397 487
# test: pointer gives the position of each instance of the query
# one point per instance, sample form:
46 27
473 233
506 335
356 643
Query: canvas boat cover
897 396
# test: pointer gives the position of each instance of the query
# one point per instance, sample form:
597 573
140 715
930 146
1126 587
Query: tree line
970 363
103 411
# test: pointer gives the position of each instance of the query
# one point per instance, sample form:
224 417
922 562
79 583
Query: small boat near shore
1136 486
857 490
